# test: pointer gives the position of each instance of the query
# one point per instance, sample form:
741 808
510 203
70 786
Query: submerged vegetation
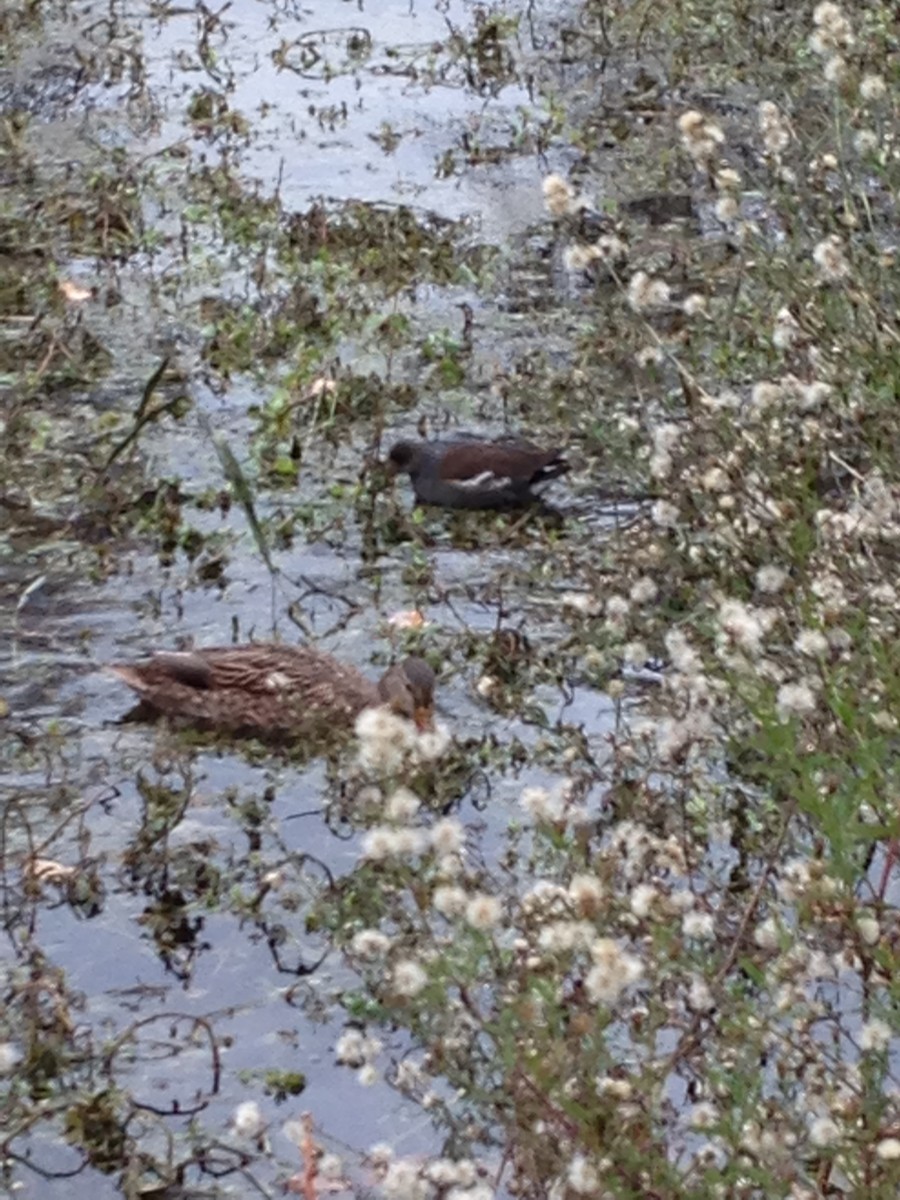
634 933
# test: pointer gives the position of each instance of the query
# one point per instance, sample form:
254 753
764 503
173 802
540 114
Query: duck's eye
403 704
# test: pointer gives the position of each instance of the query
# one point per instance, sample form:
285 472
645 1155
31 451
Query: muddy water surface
385 104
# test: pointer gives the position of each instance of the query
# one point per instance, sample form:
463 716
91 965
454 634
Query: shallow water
71 772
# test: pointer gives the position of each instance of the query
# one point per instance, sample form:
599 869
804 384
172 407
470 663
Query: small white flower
744 626
409 978
559 196
785 333
664 514
331 1167
666 437
614 971
444 1172
579 257
875 1035
480 1191
649 356
586 894
884 593
378 844
543 806
672 737
775 131
247 1120
380 1155
869 930
635 654
448 836
370 944
385 739
884 720
483 912
582 602
872 87
700 997
403 1181
486 685
765 395
832 30
766 934
811 642
644 590
715 480
646 292
583 1176
794 700
888 1149
402 805
771 579
703 1115
294 1131
431 744
698 925
350 1048
562 937
450 901
10 1057
865 141
619 1089
383 842
829 588
610 247
643 897
827 14
448 866
684 657
699 136
830 260
835 69
693 305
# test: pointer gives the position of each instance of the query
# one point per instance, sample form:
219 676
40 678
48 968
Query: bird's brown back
518 463
263 686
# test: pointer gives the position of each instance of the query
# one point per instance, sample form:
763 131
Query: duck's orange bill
424 718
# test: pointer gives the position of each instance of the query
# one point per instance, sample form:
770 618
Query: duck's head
407 689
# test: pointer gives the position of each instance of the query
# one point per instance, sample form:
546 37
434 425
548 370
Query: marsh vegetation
633 933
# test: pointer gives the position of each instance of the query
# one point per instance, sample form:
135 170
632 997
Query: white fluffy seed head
559 196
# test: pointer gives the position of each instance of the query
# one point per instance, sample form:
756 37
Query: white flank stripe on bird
485 479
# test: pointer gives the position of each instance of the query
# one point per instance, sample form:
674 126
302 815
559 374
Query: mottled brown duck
273 690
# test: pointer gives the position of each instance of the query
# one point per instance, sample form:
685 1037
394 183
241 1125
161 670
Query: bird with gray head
472 473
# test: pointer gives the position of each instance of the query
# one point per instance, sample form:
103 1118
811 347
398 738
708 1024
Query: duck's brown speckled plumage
273 689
